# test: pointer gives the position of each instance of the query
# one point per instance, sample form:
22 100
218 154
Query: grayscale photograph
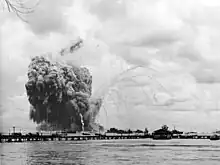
109 82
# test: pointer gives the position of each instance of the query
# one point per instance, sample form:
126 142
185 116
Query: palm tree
146 131
129 131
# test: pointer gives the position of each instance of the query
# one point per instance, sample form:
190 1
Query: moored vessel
215 137
162 134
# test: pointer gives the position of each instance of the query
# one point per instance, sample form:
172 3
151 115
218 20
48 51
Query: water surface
112 152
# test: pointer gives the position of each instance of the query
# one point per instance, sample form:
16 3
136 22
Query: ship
215 137
162 134
162 137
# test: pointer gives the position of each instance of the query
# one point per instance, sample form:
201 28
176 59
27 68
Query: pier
36 137
28 138
113 133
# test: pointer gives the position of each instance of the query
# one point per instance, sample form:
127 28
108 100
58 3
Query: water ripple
126 152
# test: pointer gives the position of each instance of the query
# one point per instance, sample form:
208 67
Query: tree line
128 131
164 128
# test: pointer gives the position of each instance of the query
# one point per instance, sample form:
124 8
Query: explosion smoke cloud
61 95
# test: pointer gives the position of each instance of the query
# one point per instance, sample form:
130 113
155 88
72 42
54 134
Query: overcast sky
173 44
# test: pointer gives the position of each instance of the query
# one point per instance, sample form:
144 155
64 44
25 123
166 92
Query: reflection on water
171 152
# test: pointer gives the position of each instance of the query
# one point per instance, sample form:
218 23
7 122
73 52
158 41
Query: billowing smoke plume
60 95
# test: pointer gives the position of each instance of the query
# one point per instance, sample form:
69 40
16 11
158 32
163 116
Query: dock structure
27 138
32 138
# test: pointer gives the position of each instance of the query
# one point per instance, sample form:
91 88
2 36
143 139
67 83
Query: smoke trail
74 46
108 88
61 95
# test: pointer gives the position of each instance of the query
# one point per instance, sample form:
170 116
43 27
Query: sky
154 62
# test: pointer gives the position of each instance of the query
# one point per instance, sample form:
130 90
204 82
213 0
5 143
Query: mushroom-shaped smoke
60 95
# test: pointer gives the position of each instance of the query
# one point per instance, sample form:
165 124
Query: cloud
48 18
190 53
177 32
152 24
207 73
109 9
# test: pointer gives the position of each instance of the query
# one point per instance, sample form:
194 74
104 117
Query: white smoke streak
82 122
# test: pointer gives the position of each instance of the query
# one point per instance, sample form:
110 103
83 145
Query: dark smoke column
60 95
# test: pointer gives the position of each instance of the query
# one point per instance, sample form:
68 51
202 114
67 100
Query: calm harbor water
112 152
